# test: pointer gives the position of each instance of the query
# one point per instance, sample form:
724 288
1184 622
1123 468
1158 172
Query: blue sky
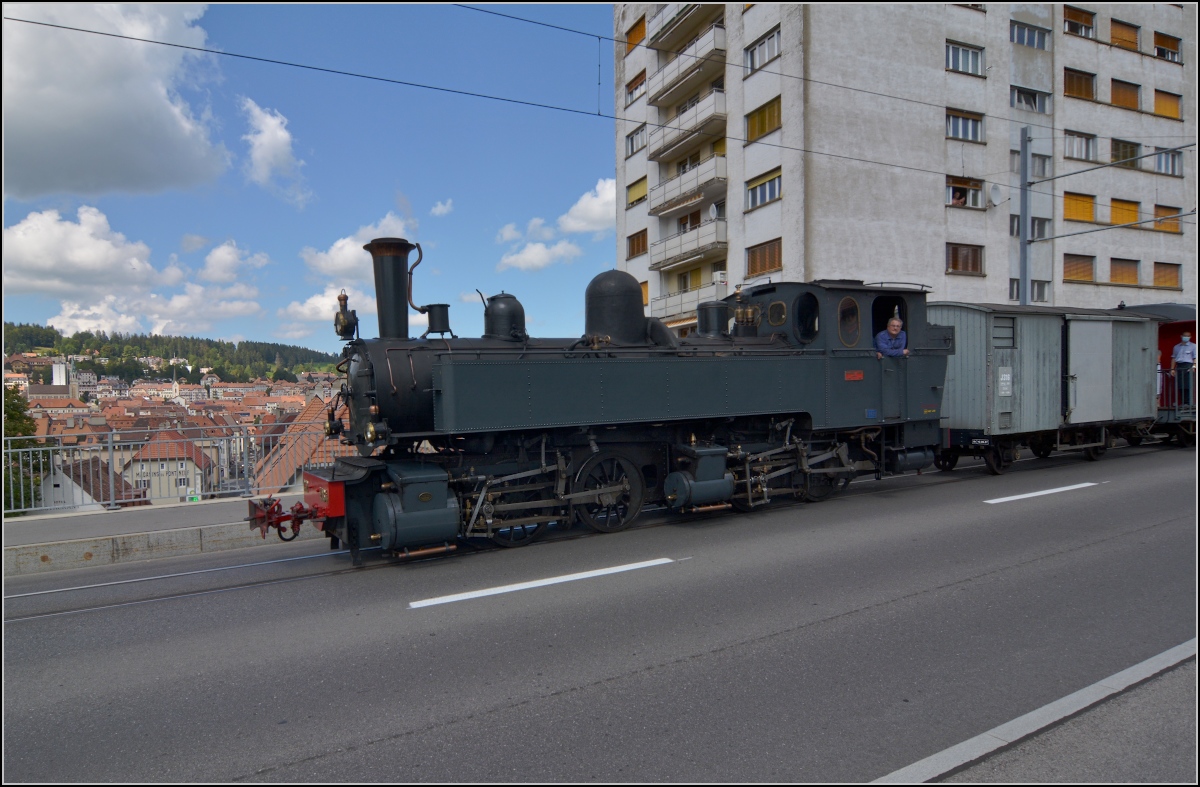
147 189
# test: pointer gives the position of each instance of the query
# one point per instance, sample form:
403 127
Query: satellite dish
712 211
995 193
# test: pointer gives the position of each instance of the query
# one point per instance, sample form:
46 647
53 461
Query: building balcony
699 64
706 180
705 120
677 306
671 25
706 243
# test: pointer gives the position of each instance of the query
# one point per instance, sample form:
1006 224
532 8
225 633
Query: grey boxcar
1043 377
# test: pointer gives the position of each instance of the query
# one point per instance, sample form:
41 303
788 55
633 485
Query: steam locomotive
777 394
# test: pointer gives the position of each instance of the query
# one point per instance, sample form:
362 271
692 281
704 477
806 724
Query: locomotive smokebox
390 257
613 307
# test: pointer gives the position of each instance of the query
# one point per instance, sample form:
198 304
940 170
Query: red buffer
323 499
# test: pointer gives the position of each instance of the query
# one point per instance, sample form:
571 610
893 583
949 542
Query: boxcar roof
1128 313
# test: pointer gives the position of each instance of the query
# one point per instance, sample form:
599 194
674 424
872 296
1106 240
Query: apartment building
805 142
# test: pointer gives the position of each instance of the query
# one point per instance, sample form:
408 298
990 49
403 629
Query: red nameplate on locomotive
855 374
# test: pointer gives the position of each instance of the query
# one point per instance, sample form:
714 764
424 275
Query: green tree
21 489
283 374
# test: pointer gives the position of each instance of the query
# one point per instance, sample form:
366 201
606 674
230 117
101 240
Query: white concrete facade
865 155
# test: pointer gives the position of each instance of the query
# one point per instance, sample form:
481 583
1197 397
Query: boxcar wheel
615 510
994 461
1041 449
945 461
819 486
1093 454
1134 438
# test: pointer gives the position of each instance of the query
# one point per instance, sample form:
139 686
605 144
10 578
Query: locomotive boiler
778 393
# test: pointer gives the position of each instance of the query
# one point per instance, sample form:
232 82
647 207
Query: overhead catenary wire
764 70
520 102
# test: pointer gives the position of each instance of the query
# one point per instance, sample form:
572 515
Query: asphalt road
831 642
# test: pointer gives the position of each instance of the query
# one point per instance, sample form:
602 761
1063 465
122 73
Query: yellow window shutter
1166 104
719 147
1078 268
1123 212
635 35
1123 272
635 192
1125 94
1079 207
1166 275
645 293
1165 224
761 179
1124 36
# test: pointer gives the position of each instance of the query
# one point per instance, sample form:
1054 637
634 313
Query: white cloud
346 260
197 307
192 243
223 263
91 115
293 330
537 230
595 211
324 305
43 253
108 315
272 164
442 208
508 233
470 297
535 256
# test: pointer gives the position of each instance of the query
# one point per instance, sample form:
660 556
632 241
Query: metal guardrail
118 469
1177 394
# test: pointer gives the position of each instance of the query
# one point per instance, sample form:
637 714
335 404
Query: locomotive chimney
390 256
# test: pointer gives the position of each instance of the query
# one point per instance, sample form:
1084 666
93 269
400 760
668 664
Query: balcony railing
707 117
668 19
677 304
704 56
710 175
697 245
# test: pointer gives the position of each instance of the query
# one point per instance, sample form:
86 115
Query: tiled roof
92 476
172 445
304 442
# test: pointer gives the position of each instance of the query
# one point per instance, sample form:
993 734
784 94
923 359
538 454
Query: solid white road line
429 602
1038 494
1022 727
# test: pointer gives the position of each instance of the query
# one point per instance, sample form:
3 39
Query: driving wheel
613 510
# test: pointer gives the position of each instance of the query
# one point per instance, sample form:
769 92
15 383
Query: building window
1079 84
1166 47
645 293
762 51
143 483
964 193
162 465
1038 228
1167 275
1123 35
1080 146
1027 36
1039 166
763 120
964 59
635 35
635 192
1077 267
1079 22
1123 271
1124 153
763 189
764 258
1167 104
961 258
635 141
1079 207
1123 211
182 466
1161 212
689 222
1029 100
964 125
1126 94
636 245
1168 162
1038 291
635 88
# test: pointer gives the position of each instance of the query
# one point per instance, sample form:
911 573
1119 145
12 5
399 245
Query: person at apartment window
893 342
1183 360
958 198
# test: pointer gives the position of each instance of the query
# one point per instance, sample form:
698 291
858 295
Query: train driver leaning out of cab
893 342
1183 360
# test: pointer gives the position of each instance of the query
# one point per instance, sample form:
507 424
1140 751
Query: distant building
88 484
171 467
